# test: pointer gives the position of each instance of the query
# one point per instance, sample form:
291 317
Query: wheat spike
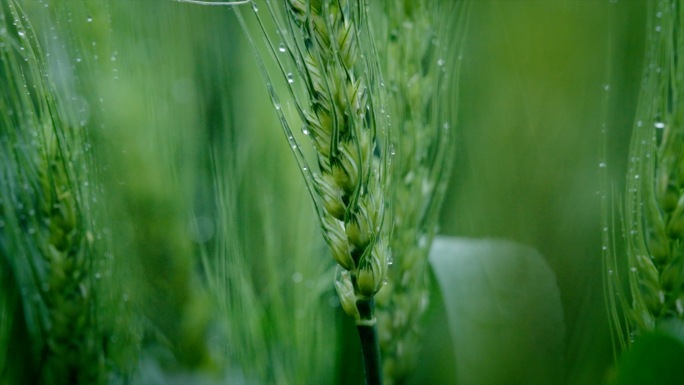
654 202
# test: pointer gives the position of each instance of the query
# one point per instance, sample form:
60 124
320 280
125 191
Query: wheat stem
370 346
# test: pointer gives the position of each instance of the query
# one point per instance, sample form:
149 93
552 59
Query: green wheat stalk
340 90
654 202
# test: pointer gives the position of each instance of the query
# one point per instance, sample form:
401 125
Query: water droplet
21 33
602 165
305 130
606 87
89 19
640 123
255 7
297 277
659 125
98 275
633 269
276 105
658 28
610 272
281 47
440 62
78 60
290 77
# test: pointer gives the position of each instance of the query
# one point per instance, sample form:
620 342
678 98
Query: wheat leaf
503 309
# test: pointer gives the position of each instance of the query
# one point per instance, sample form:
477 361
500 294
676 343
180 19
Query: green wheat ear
337 94
46 236
419 41
654 202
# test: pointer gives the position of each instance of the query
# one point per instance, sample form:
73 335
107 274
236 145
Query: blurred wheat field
214 270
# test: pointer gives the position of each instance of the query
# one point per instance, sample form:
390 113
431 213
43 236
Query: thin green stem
368 333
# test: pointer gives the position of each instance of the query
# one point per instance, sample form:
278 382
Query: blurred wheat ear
47 250
419 44
654 201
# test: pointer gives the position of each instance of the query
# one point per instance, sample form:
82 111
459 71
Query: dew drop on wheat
281 47
255 7
602 165
290 77
305 131
89 19
659 125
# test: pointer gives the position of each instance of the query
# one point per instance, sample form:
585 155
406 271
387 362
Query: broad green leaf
503 309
